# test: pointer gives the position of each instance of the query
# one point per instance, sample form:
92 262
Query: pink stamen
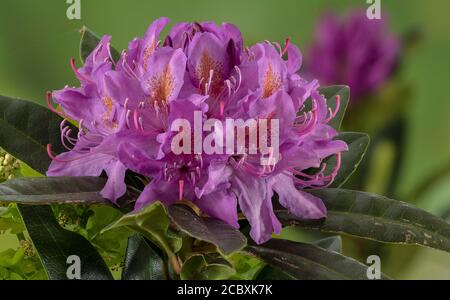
277 45
318 180
77 73
336 110
70 139
228 84
136 119
309 120
53 157
181 189
65 134
286 47
108 48
222 107
333 174
239 80
127 118
48 97
208 85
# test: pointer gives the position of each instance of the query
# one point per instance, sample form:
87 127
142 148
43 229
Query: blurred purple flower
356 51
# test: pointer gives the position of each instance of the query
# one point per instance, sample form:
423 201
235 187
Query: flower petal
221 205
255 201
115 186
301 204
158 190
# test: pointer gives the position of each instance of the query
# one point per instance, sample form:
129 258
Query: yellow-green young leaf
247 267
206 267
27 171
376 218
10 220
10 257
152 222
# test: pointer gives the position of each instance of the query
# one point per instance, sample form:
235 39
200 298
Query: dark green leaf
332 243
305 261
55 244
152 222
330 93
350 160
25 130
375 217
142 262
206 267
271 273
89 41
226 238
53 190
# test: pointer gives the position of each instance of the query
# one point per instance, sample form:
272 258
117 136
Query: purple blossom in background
356 51
125 111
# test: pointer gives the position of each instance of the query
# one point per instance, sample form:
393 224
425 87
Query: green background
37 41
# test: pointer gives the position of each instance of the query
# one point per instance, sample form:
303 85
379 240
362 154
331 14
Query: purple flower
99 117
356 51
128 114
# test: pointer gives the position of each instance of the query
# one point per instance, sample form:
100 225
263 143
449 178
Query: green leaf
271 273
27 171
376 218
89 41
247 267
225 237
10 258
53 190
357 146
142 261
25 130
10 220
14 226
152 222
111 244
306 261
332 243
350 160
206 267
55 244
330 93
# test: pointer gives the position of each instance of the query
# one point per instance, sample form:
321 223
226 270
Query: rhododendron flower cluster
356 51
125 110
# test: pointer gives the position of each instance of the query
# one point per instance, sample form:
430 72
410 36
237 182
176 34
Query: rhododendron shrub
204 147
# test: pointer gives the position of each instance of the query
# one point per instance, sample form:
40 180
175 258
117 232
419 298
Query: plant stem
175 264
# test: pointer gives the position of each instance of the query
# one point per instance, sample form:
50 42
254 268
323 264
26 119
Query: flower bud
8 166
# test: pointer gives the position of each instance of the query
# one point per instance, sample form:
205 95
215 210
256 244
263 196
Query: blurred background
407 115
